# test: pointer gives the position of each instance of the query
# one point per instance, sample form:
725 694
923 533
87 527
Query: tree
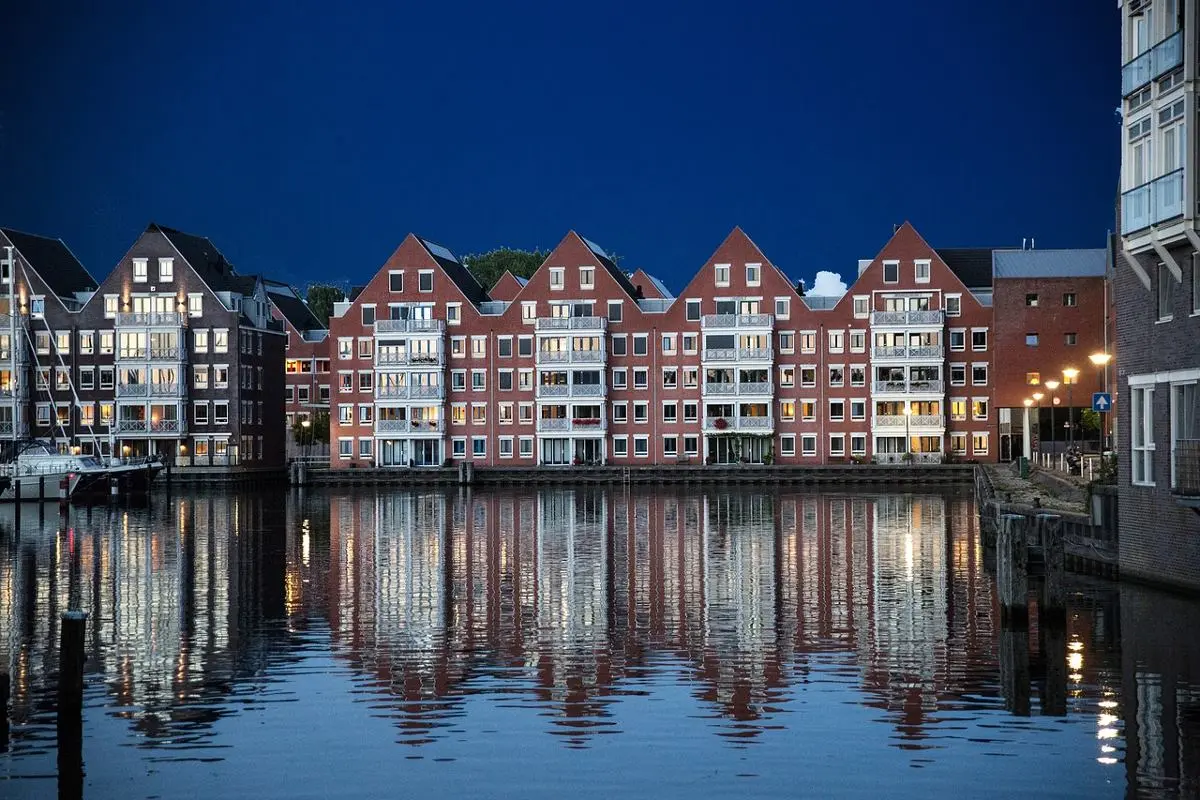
1089 421
489 267
321 297
317 430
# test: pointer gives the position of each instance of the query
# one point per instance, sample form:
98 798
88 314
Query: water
592 643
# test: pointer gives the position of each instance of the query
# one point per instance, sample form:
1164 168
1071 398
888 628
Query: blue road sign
1101 402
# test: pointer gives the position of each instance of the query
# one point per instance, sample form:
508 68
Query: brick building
173 354
306 354
1157 287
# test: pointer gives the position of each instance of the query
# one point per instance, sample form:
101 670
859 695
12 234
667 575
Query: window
808 341
837 444
808 444
783 307
837 341
140 271
557 278
453 313
620 446
640 344
691 411
858 444
587 277
458 347
366 381
368 315
525 445
42 342
1068 299
525 380
1069 339
107 341
979 444
525 346
200 413
479 447
166 270
858 341
478 347
1033 378
106 377
862 306
1141 415
220 412
504 380
1031 300
958 339
364 448
221 376
195 305
690 343
837 410
837 375
808 377
670 413
458 448
891 272
479 413
1185 423
858 376
1031 339
641 446
478 380
620 412
979 338
787 377
787 410
396 281
366 347
506 446
87 377
615 310
1165 299
979 374
458 413
691 445
366 414
111 304
721 274
1195 286
858 410
220 340
620 344
787 444
458 380
954 305
693 310
921 270
670 377
528 311
668 344
641 378
787 343
425 281
691 377
200 376
753 274
958 374
979 408
619 378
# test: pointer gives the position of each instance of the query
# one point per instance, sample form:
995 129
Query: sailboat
37 471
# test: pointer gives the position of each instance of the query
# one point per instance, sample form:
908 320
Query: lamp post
907 436
1070 378
1101 360
1052 385
1027 449
1037 399
306 424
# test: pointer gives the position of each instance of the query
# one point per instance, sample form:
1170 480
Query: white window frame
754 274
922 268
1141 439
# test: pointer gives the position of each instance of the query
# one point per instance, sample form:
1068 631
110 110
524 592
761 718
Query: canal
595 643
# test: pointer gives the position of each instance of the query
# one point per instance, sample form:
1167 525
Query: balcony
1158 60
908 458
425 426
720 321
761 388
908 387
925 317
571 356
10 428
556 324
150 319
902 353
587 425
739 354
157 426
1187 472
560 390
410 326
414 392
739 424
1151 203
911 422
387 359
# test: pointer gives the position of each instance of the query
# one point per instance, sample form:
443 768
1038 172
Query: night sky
306 140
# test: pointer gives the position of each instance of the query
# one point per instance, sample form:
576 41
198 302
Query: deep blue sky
306 139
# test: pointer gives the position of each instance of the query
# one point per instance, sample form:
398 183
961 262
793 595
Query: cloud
827 284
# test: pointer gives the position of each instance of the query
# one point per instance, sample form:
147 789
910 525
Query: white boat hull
42 486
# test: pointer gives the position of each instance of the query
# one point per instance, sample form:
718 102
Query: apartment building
306 354
1157 286
580 366
173 354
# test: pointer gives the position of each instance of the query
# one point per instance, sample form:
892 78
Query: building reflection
561 602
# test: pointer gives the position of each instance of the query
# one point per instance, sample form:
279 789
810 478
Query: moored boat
39 472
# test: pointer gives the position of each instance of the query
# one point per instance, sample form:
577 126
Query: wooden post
114 490
462 473
70 703
1012 570
5 689
1014 668
1054 592
1052 634
41 488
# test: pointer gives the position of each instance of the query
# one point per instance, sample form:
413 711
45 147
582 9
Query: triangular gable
507 287
906 246
411 255
652 288
738 250
571 253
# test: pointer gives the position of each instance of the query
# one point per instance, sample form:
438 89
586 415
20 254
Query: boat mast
11 273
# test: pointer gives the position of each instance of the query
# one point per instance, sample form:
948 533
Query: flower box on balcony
586 421
721 424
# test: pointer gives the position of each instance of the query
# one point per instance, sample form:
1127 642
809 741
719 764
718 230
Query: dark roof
620 277
54 262
972 265
461 276
355 291
295 310
208 262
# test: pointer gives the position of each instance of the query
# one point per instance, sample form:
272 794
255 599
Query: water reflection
774 614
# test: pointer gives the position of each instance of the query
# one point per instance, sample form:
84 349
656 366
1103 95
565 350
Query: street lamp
306 424
1037 399
907 436
1070 378
1101 360
1052 385
1027 449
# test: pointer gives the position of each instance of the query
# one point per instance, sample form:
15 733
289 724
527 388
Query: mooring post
73 626
64 488
5 690
1014 668
462 473
470 475
114 490
1054 591
1052 641
41 488
1012 570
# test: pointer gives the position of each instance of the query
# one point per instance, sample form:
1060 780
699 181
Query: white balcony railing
908 387
738 354
408 426
544 324
558 390
570 356
148 319
908 458
167 426
736 424
416 392
391 358
926 351
132 425
890 352
1151 203
410 325
910 421
133 390
720 389
925 317
736 321
593 425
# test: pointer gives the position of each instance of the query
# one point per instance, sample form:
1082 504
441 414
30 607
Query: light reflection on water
606 641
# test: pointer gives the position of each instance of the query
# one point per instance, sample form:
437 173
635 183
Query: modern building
582 363
306 354
1157 286
174 354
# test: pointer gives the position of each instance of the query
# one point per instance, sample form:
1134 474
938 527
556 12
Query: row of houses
927 356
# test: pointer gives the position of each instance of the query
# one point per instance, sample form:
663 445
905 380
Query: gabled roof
1089 263
507 286
54 262
293 308
658 286
207 261
972 265
461 276
617 275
